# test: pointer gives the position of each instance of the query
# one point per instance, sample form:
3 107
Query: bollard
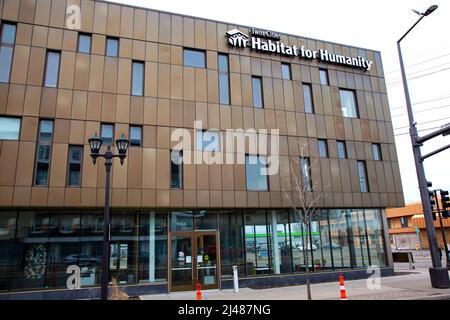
199 292
342 287
235 279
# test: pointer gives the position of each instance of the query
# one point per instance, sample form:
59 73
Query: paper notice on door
199 259
188 259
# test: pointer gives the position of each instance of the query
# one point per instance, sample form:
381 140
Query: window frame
46 69
302 176
366 181
227 73
84 34
258 162
324 142
344 144
113 132
327 78
181 171
378 148
106 46
310 92
355 100
36 160
20 127
133 62
289 69
185 49
261 92
140 138
9 45
69 162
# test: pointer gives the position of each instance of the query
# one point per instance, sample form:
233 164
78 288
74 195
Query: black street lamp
95 144
438 275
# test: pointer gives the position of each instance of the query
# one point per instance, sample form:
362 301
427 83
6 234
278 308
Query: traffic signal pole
444 239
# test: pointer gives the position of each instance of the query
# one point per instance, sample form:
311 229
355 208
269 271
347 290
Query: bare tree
298 175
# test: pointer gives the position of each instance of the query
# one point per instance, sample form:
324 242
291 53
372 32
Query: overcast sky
369 24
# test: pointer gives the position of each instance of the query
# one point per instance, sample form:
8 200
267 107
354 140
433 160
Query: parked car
300 246
332 245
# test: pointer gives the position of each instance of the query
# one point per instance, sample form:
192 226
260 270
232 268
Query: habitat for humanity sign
268 41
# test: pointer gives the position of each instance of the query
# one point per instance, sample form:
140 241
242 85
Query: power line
418 72
419 63
425 122
420 111
424 101
421 76
421 130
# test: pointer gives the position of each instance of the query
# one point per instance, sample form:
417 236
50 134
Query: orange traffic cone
199 292
342 287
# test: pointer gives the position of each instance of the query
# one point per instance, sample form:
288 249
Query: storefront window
152 247
278 223
375 237
339 239
231 243
257 243
205 220
323 260
359 238
181 221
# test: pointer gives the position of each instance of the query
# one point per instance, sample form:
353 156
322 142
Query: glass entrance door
193 260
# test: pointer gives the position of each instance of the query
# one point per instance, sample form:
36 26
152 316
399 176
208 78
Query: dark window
257 92
84 43
348 103
305 172
404 222
194 58
376 150
323 74
138 79
341 150
74 166
176 169
43 152
107 134
52 69
256 173
8 38
112 47
389 222
323 148
135 136
224 82
362 173
307 98
286 71
9 128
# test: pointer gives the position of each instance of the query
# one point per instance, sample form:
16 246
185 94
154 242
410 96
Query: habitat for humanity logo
270 42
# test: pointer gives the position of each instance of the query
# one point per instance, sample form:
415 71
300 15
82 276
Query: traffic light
432 201
445 200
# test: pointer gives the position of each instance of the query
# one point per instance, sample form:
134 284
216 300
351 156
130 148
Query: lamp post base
439 278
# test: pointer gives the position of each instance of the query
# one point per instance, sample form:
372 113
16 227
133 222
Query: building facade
407 228
70 69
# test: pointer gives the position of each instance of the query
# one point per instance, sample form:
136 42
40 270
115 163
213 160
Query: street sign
417 231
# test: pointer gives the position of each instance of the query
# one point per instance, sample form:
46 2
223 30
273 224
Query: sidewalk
405 285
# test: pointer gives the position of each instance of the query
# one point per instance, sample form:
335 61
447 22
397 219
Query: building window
112 47
224 82
323 75
389 222
362 173
307 98
305 172
9 128
8 38
52 69
256 173
176 169
43 153
348 103
137 83
207 140
84 43
74 166
323 148
194 58
257 92
135 136
341 149
376 150
404 222
107 134
286 71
